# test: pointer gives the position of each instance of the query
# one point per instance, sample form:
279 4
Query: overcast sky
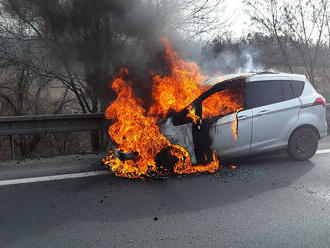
234 10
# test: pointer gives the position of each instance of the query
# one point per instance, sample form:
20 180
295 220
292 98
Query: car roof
275 76
254 77
219 79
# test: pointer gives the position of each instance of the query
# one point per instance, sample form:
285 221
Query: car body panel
314 116
310 114
179 135
271 123
224 142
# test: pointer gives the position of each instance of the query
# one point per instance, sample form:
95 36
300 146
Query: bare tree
81 43
299 25
23 90
193 18
23 93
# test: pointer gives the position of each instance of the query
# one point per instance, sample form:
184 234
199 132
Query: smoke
92 40
100 37
230 59
250 60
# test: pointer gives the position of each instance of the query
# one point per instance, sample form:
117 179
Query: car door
224 141
274 111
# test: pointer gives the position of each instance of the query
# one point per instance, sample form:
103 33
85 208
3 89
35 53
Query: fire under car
278 112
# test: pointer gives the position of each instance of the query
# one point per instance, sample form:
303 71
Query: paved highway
267 201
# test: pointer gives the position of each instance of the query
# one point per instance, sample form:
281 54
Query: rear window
297 87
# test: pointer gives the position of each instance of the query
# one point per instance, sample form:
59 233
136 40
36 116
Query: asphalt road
267 201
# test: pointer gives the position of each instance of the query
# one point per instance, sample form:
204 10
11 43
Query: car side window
297 87
265 93
287 90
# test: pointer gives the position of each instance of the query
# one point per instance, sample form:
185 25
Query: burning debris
172 135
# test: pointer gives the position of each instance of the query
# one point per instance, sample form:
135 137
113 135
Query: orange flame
179 88
192 114
234 125
223 102
135 129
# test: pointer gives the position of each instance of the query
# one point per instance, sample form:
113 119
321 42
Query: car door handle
264 111
242 117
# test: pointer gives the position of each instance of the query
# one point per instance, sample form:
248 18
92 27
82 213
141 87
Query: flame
192 114
184 165
234 124
135 129
223 102
179 88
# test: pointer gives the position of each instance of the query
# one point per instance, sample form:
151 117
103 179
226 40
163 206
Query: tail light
320 101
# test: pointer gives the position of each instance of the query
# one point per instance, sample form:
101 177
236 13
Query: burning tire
302 144
167 159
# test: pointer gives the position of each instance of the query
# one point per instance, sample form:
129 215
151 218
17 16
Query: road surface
267 201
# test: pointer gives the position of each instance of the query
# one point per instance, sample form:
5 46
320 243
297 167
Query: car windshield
222 99
222 102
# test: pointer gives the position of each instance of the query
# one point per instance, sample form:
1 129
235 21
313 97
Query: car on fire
278 112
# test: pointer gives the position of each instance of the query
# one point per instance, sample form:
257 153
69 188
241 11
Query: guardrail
16 125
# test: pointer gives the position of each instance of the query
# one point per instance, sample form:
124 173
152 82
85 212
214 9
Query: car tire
302 144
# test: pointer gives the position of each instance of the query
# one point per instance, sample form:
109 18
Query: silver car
280 111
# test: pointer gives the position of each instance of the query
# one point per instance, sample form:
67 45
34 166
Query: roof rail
266 72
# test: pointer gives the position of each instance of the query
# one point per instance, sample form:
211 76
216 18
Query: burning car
203 126
279 111
190 126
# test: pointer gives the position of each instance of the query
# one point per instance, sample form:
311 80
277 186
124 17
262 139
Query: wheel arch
316 131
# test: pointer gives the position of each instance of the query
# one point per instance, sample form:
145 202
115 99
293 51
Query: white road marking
78 175
321 151
52 178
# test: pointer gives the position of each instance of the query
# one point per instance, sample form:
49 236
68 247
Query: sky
238 20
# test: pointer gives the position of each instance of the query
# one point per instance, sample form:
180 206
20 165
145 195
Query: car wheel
302 144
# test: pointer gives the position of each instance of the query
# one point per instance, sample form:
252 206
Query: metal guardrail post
101 138
12 147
